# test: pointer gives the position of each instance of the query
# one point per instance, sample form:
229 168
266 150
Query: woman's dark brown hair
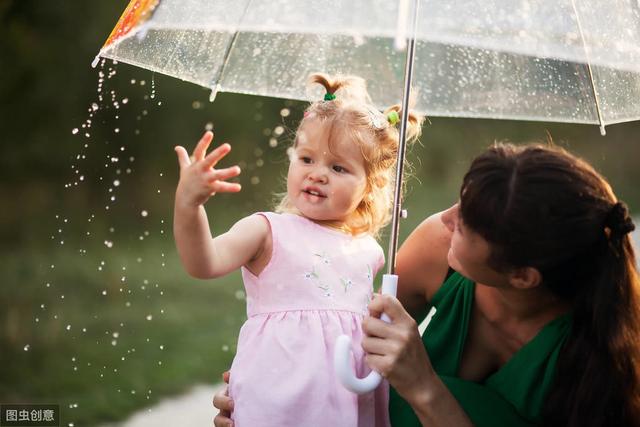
541 207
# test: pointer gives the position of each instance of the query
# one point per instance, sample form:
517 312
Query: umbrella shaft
397 197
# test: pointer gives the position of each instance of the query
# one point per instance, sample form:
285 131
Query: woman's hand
198 178
395 350
223 402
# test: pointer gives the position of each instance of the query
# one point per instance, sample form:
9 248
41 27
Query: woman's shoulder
422 260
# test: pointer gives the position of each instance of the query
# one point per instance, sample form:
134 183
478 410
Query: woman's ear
525 278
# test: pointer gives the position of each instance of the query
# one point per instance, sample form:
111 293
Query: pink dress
316 287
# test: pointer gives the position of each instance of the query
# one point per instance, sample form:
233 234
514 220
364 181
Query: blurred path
192 409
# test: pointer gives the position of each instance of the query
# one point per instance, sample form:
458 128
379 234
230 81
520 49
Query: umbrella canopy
558 60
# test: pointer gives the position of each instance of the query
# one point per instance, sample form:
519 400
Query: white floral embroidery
310 275
326 289
368 297
324 258
346 284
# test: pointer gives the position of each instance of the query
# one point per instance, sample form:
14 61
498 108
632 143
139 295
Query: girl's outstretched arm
203 256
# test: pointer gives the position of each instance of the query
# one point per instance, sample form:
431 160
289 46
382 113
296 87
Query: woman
533 278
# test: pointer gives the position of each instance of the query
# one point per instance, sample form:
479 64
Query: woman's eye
305 159
339 168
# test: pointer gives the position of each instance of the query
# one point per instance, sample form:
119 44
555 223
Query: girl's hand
223 402
198 178
395 350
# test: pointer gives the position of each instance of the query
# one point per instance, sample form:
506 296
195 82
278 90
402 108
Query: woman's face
469 252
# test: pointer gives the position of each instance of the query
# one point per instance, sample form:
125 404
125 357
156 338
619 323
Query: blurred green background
96 313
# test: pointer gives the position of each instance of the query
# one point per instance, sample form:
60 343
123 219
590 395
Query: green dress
513 395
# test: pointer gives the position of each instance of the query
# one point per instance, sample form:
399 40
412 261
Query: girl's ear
525 278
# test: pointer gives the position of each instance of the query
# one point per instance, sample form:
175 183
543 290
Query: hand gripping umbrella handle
342 351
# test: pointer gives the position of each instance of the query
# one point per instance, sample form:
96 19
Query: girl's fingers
183 157
203 144
222 174
226 187
215 156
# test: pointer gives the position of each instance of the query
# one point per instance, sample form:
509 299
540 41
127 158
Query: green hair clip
329 96
393 118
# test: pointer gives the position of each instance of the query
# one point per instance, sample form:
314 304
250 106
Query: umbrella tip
214 93
603 132
95 61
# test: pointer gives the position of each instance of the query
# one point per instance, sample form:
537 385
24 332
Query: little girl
308 270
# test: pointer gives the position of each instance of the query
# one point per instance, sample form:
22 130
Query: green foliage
47 87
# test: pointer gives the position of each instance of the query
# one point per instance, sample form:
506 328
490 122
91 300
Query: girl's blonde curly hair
352 114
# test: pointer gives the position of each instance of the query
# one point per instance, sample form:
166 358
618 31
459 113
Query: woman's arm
422 265
396 351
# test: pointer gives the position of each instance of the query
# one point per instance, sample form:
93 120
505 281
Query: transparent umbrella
562 60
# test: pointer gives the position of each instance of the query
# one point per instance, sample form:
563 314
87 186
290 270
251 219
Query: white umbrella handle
342 351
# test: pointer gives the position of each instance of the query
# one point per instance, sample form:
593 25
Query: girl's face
469 252
325 185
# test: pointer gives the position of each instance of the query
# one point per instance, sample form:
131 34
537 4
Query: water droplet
149 317
26 347
117 130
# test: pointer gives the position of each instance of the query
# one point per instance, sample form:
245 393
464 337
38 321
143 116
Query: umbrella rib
215 84
593 86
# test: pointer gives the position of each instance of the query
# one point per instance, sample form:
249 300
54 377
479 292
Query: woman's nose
449 217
